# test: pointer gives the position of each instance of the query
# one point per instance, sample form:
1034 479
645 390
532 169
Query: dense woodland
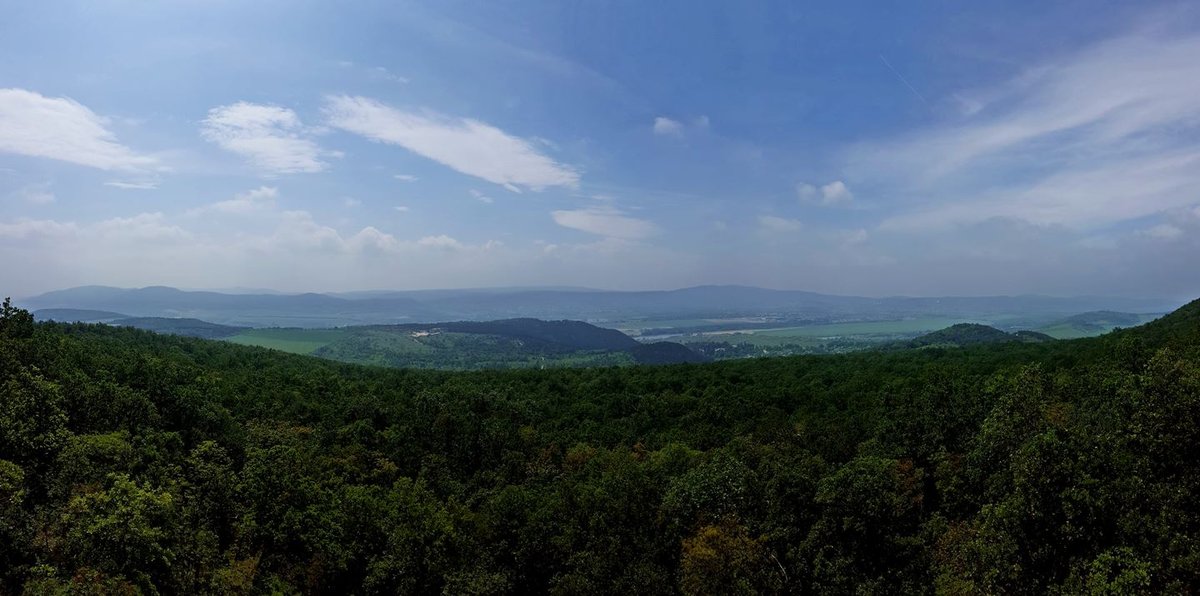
139 463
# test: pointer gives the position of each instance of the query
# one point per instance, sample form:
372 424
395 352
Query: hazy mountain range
384 307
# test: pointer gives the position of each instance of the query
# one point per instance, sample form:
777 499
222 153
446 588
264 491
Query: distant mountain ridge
174 326
366 308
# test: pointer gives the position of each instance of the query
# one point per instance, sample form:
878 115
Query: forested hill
569 334
970 334
131 461
474 345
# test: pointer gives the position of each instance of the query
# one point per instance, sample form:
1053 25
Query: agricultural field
831 338
883 330
1091 326
865 330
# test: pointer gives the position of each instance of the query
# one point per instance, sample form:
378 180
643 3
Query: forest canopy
132 462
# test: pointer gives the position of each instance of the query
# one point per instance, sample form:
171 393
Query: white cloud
1083 197
401 208
668 127
60 128
372 240
147 230
1163 232
271 137
299 231
855 236
829 194
351 202
267 251
251 201
776 224
607 222
132 185
387 75
835 192
482 198
405 177
441 241
25 229
1096 137
144 228
37 194
465 145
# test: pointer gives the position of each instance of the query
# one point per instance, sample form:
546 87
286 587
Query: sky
866 148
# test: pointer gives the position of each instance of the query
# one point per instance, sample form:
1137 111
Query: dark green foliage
969 334
575 335
1032 336
511 343
76 315
132 462
187 327
665 352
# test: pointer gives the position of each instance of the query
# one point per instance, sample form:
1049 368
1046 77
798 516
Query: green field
1068 330
296 341
811 334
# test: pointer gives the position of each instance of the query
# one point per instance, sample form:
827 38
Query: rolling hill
971 334
471 345
170 325
179 326
1093 323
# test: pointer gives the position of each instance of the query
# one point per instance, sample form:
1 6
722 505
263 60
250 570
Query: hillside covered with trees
969 334
132 462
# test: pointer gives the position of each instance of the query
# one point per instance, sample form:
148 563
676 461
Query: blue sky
849 147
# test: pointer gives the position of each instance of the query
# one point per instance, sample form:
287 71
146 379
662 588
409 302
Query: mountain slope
471 345
1093 323
970 334
132 462
571 334
172 326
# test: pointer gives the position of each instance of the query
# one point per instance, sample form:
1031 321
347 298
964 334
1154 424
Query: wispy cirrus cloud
468 146
670 127
132 185
35 194
272 138
605 221
1096 137
777 225
60 128
252 201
